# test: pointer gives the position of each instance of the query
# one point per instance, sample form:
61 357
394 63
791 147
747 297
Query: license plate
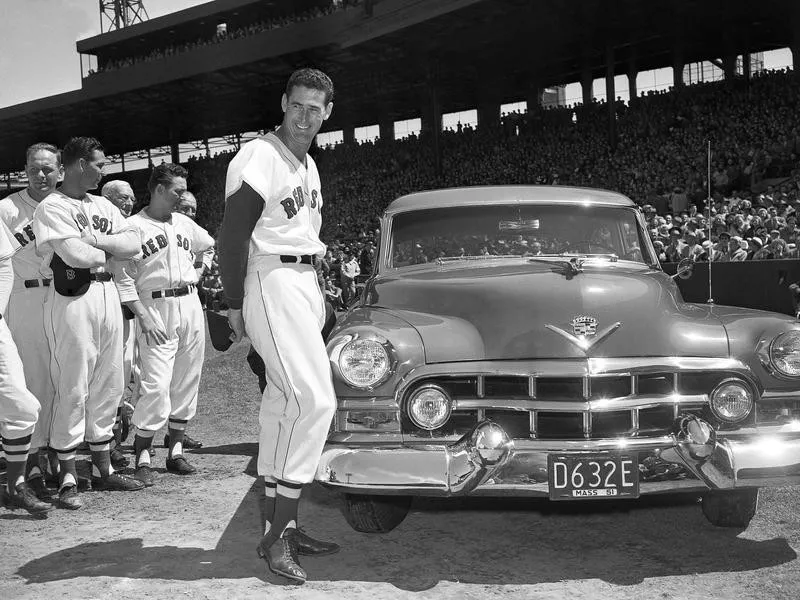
584 476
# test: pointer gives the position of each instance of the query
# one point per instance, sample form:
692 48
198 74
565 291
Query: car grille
573 407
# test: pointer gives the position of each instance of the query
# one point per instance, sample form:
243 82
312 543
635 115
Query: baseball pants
19 408
85 337
26 314
284 311
169 373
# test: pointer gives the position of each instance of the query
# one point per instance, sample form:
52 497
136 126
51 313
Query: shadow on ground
480 541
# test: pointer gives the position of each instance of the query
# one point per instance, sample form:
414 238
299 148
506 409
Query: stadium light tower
116 14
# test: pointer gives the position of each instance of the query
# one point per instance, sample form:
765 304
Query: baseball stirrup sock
176 438
141 447
287 500
16 450
33 468
270 491
101 458
68 472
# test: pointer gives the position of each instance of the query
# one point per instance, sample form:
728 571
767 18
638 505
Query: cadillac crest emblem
584 325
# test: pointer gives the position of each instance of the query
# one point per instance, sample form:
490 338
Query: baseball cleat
117 483
308 546
281 558
68 498
188 442
145 474
24 498
38 487
118 459
180 466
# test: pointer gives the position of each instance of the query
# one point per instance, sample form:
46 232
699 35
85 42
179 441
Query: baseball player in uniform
121 195
25 312
159 286
75 234
268 243
19 408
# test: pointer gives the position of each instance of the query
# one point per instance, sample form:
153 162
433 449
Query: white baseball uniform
163 277
284 309
84 332
25 312
19 408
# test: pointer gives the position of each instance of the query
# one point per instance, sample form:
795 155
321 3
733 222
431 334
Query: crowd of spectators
223 34
660 161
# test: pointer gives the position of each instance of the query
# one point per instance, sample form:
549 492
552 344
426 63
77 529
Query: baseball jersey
167 256
9 245
60 217
16 212
292 213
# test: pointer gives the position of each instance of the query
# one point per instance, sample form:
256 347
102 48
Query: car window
423 236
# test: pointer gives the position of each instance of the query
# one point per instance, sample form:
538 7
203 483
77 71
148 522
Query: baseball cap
725 234
756 241
675 231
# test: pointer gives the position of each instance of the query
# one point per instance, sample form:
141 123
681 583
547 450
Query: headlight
732 401
364 362
429 407
784 353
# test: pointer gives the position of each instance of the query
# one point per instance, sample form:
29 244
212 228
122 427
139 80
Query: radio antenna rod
710 248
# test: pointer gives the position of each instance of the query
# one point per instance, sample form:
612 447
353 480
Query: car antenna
710 248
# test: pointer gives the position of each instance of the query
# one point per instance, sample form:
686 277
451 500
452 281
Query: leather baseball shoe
188 442
145 474
38 487
180 466
308 546
281 557
68 498
24 498
117 483
118 459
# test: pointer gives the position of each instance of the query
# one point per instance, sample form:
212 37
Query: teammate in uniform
121 195
25 312
75 233
268 242
19 408
202 261
158 285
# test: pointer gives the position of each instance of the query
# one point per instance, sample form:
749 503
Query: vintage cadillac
524 341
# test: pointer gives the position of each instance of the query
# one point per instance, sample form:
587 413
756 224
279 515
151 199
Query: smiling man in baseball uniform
76 232
25 312
158 285
268 243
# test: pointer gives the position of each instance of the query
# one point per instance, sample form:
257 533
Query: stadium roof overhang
385 65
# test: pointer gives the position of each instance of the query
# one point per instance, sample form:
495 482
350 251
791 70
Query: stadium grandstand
461 92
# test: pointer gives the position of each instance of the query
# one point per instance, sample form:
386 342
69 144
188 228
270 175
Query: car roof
506 194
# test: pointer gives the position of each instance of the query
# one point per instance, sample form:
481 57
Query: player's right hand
236 321
153 328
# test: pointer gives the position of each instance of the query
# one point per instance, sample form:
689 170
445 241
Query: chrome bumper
487 462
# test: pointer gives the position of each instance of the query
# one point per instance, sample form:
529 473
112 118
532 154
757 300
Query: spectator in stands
350 270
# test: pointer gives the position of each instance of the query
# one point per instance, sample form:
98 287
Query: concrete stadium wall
754 284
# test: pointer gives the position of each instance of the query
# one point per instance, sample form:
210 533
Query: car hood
508 311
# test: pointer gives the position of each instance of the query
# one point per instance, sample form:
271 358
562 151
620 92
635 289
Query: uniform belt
173 292
306 259
32 283
101 276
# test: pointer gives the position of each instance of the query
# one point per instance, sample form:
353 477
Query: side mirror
685 269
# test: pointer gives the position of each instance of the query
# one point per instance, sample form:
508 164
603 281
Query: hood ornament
584 332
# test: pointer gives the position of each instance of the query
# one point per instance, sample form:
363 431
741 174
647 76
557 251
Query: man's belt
101 276
174 292
34 283
305 259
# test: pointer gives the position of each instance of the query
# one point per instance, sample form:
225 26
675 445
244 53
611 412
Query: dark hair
80 148
313 79
42 147
164 174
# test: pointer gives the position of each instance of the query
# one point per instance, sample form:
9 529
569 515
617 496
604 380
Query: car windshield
472 232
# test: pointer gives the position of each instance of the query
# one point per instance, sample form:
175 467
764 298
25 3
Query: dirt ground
195 537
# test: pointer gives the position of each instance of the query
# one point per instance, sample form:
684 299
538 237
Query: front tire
375 514
730 508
